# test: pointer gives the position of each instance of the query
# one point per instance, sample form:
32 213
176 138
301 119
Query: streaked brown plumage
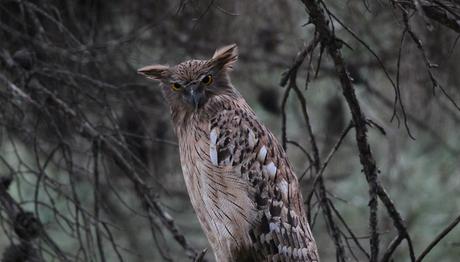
239 180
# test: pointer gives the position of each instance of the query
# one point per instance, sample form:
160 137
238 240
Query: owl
239 180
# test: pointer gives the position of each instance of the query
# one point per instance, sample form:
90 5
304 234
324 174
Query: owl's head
190 84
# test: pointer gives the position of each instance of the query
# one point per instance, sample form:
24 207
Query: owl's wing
240 142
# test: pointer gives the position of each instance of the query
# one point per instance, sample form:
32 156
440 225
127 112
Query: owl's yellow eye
176 87
207 80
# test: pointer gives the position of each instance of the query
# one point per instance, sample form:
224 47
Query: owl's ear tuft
155 72
225 57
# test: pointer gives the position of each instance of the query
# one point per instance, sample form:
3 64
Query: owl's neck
186 120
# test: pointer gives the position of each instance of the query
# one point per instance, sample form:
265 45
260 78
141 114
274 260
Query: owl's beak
196 97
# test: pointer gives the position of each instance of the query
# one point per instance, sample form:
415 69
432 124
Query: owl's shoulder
239 141
237 134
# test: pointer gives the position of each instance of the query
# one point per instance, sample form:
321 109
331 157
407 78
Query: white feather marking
271 170
268 237
299 253
274 227
262 238
213 147
280 248
304 252
287 225
251 139
294 253
262 154
277 203
284 251
267 214
213 136
283 186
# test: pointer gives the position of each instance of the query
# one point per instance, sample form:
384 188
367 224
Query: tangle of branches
85 145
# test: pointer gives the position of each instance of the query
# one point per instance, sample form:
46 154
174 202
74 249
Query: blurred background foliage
69 87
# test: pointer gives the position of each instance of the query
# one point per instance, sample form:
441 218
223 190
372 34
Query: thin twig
438 238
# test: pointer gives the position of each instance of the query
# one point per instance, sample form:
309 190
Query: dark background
86 144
